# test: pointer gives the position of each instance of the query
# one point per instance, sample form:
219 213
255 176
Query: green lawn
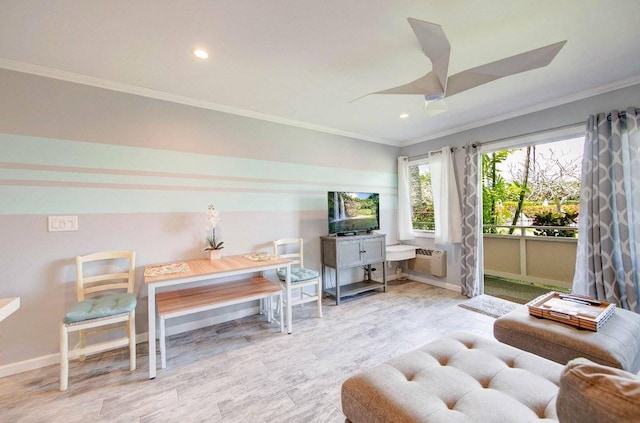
516 291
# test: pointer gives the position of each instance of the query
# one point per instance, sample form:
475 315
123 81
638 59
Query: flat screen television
353 212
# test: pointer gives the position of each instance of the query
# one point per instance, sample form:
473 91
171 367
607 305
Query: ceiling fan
437 84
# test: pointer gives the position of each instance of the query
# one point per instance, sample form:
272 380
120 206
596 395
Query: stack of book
575 310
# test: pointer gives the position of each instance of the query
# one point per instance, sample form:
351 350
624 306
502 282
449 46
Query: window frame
420 233
533 139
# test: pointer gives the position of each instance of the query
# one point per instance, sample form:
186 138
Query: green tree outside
534 181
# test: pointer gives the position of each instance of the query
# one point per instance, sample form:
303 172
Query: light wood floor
245 370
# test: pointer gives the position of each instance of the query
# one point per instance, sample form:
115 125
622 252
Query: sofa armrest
591 392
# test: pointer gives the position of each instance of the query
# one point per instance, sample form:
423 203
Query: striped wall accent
54 176
152 201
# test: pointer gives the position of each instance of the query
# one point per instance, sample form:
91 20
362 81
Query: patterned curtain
607 262
471 246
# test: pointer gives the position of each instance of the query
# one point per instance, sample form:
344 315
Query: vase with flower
214 245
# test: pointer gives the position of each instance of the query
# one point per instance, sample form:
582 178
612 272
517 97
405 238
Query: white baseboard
51 359
31 364
449 286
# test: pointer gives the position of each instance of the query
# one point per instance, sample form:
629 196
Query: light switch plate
62 223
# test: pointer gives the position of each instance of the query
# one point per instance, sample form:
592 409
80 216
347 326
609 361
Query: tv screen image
353 211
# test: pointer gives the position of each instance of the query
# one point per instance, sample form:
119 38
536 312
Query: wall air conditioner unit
432 262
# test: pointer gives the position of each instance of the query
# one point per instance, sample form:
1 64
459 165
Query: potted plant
214 246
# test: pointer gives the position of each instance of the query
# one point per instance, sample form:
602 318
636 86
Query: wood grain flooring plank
244 370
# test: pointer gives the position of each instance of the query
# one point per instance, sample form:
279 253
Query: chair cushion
591 392
298 274
100 307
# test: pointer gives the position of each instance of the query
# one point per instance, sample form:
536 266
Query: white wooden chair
111 306
301 277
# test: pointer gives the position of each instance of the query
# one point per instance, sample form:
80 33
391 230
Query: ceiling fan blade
522 62
426 85
435 46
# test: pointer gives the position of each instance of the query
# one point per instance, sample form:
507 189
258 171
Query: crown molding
188 101
530 109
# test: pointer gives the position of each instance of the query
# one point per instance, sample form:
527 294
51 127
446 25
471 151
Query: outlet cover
62 223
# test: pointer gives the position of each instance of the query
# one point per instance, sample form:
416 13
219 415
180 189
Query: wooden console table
188 271
346 252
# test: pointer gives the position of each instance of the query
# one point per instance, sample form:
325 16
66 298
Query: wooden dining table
179 274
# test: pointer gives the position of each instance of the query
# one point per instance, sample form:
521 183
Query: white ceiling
300 62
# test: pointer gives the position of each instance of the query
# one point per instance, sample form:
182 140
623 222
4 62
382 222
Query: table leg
337 287
163 345
288 284
151 308
262 301
281 316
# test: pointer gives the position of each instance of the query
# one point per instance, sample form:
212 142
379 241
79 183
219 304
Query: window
422 213
533 186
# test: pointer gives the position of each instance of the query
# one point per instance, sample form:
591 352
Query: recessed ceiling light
404 115
200 53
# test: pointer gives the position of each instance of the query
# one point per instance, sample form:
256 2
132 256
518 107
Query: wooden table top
200 267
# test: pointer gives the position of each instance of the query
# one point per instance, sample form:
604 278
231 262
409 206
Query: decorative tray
576 310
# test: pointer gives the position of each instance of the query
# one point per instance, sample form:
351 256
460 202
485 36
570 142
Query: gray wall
139 173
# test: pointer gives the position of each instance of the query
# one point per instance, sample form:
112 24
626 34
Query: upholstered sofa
467 378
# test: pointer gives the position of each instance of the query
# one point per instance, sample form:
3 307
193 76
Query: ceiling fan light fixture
435 107
201 54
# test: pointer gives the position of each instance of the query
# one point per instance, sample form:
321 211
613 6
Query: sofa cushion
591 392
461 377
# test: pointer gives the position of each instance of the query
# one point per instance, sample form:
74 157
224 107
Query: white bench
194 300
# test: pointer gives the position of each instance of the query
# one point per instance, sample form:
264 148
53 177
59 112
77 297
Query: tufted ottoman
615 344
459 378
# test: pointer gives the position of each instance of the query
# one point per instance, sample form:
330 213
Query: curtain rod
621 114
425 155
478 144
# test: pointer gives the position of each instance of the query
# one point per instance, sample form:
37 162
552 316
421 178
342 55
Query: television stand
349 252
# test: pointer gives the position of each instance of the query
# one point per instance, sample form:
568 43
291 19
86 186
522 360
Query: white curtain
472 274
608 252
446 202
405 226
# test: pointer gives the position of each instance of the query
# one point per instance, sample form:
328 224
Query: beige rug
491 306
